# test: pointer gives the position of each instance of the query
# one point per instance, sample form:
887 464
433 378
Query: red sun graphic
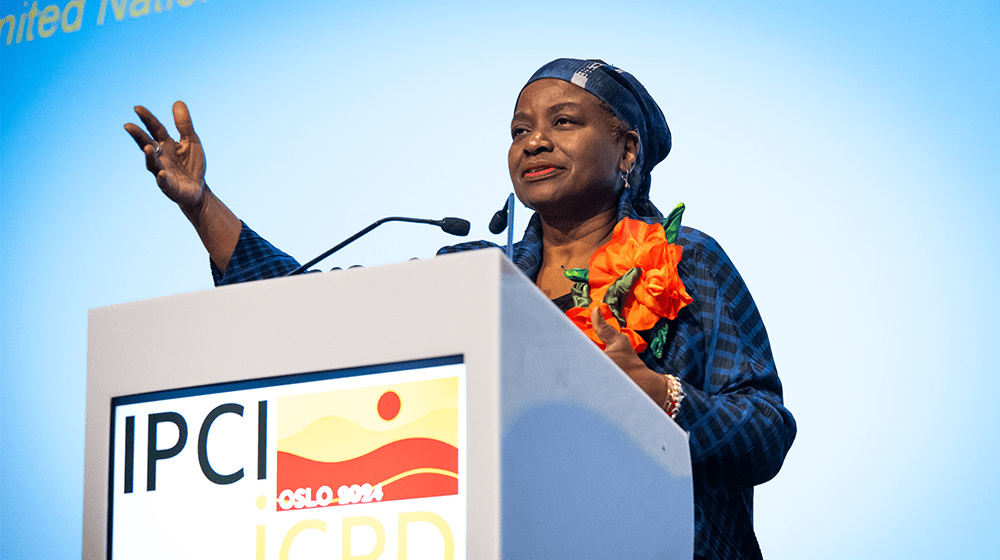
388 405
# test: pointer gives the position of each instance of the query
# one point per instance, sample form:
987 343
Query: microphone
454 226
499 221
504 219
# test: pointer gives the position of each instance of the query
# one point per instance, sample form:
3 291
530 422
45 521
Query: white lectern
429 409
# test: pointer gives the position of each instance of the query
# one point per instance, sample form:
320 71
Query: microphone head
455 226
499 221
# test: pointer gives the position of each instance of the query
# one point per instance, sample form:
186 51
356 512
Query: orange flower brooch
633 280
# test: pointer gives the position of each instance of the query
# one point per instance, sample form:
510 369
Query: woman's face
564 160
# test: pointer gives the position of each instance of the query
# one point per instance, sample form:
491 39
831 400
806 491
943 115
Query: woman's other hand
619 349
179 166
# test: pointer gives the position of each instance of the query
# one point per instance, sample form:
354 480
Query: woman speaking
664 302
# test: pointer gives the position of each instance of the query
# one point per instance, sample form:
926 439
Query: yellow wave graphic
335 439
360 405
418 471
410 473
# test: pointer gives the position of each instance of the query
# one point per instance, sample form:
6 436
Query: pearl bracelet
675 395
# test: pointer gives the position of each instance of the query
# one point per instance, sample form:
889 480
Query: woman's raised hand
179 166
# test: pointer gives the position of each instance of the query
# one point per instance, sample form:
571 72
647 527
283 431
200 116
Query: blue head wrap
629 102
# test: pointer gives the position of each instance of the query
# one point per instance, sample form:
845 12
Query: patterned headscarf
628 100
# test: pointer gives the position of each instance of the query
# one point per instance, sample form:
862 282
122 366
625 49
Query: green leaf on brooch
581 287
672 225
577 274
658 344
617 294
581 294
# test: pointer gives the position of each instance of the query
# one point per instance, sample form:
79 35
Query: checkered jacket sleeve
733 410
253 259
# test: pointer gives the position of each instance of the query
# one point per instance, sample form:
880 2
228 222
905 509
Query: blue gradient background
844 153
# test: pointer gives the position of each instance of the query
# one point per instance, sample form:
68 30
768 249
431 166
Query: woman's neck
567 245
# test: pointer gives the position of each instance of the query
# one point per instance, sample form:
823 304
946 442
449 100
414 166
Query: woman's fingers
166 184
157 130
163 181
151 146
139 135
621 352
152 158
608 334
182 120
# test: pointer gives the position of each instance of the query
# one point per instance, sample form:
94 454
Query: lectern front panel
357 462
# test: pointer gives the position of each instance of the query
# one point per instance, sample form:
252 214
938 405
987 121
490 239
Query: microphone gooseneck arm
454 226
510 227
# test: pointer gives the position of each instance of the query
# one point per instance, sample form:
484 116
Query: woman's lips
538 171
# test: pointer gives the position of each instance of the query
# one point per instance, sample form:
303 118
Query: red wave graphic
378 466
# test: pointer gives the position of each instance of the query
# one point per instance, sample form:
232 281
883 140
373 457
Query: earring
624 179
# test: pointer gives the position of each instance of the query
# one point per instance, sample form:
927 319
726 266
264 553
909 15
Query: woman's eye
563 121
517 131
